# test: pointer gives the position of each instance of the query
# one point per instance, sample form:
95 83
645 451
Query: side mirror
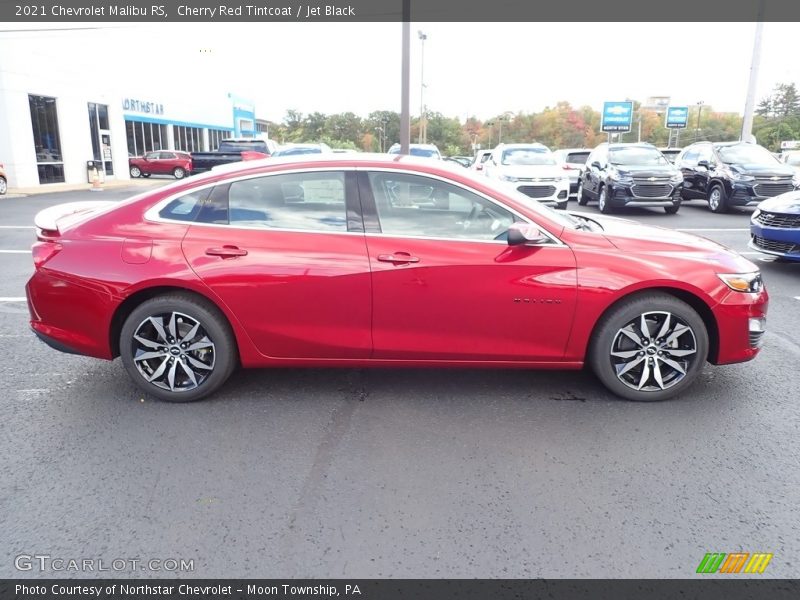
525 234
703 163
596 164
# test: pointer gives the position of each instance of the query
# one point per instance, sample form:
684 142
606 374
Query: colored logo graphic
617 116
737 562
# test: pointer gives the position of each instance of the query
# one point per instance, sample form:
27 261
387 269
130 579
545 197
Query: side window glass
306 201
167 155
690 158
704 153
151 155
417 206
185 208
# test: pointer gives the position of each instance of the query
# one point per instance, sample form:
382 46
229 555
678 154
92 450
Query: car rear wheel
179 173
650 347
177 347
602 201
717 199
3 186
136 172
583 199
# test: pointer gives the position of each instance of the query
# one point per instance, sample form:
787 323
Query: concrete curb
60 187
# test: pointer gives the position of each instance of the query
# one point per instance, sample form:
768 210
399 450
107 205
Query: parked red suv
163 162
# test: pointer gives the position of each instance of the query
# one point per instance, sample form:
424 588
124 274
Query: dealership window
46 139
215 136
304 201
101 136
145 137
188 139
416 206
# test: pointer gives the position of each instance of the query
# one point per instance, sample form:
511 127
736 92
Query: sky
470 69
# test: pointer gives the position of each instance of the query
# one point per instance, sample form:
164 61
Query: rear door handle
226 252
398 258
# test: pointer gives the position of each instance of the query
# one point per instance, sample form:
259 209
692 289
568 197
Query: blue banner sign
677 117
617 116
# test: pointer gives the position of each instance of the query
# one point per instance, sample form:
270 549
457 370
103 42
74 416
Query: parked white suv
533 170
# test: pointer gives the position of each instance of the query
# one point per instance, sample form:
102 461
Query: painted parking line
15 251
710 229
17 227
797 297
13 299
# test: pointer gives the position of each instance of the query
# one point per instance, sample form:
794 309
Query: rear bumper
70 317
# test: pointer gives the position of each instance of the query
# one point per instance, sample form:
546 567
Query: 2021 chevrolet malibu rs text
376 261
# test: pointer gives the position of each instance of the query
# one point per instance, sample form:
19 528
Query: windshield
241 146
746 154
528 156
426 152
636 155
293 151
577 157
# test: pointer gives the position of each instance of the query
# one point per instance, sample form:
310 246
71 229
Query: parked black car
728 174
229 151
630 174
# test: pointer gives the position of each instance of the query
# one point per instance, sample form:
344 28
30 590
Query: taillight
44 251
568 168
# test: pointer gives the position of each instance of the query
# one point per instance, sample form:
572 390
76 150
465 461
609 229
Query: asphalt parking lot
398 473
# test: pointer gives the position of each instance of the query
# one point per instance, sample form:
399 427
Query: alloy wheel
714 198
653 352
136 172
173 351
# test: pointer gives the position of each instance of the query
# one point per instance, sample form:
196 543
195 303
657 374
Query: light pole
422 37
697 129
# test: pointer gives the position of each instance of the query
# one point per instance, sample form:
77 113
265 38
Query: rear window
577 157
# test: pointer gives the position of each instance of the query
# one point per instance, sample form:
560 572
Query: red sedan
164 162
376 261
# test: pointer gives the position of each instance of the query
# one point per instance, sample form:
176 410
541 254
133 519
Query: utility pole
405 105
422 123
697 129
747 122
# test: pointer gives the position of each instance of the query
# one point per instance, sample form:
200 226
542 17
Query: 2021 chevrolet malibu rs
377 261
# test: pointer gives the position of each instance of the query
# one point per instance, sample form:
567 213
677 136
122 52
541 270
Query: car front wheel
177 347
602 201
583 199
717 199
136 172
3 186
650 347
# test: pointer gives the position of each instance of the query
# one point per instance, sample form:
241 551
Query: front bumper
741 319
644 195
548 192
775 241
751 193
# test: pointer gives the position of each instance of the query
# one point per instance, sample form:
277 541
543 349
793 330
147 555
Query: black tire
135 172
3 186
583 199
616 372
672 210
602 201
717 199
562 205
145 174
179 173
210 364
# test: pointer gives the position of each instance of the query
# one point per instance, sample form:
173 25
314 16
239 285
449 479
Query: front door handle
226 252
398 258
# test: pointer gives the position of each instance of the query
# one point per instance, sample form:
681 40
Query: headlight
755 214
796 180
677 178
509 178
743 282
741 178
565 178
621 178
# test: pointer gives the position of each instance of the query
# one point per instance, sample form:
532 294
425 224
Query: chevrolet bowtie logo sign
736 562
651 179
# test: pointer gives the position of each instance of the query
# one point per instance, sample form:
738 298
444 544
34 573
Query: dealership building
59 109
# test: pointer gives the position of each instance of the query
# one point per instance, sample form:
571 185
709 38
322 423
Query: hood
532 171
760 170
647 170
788 203
630 236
